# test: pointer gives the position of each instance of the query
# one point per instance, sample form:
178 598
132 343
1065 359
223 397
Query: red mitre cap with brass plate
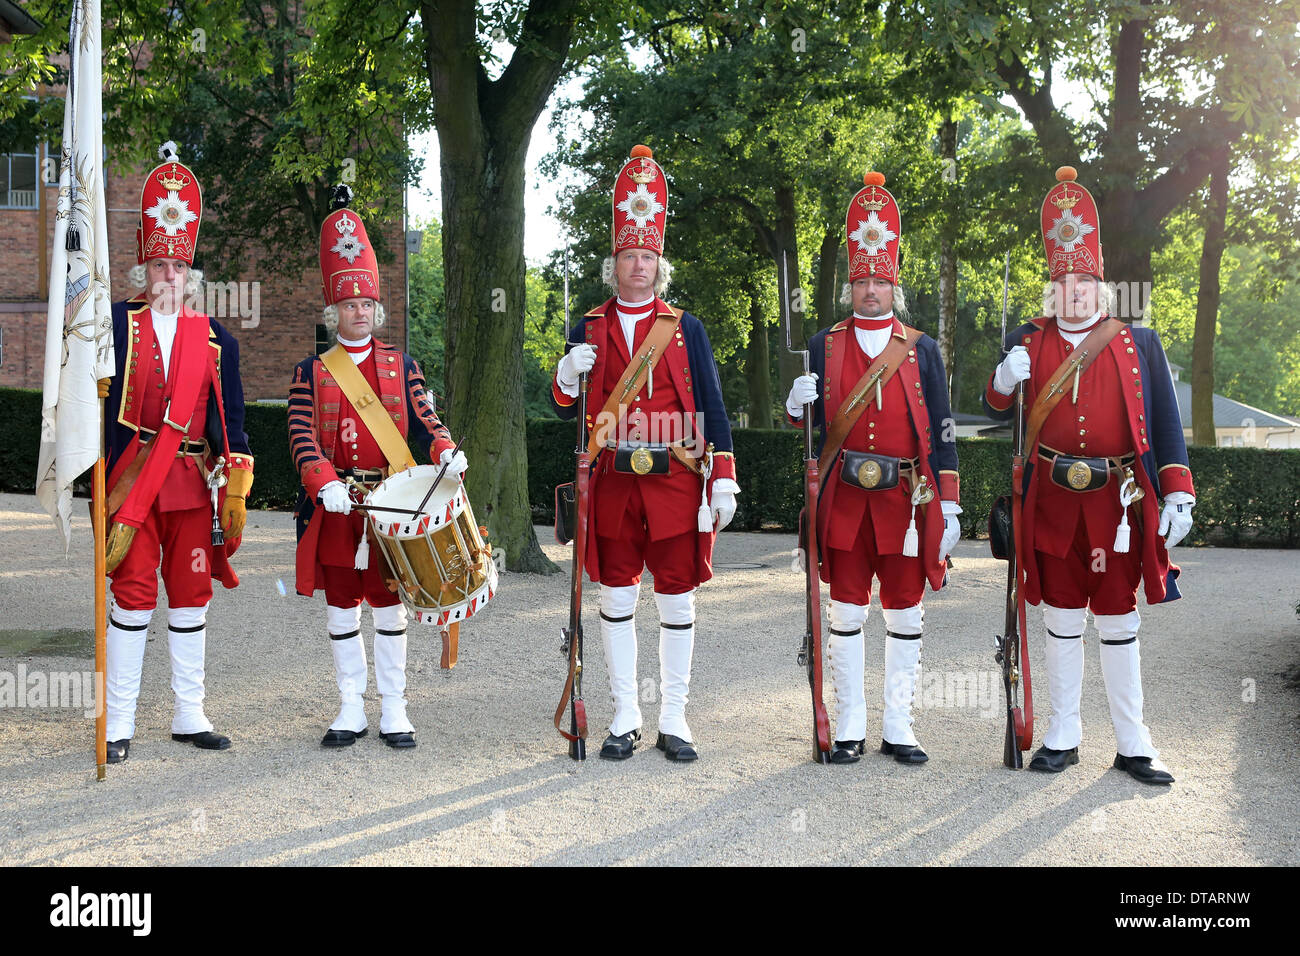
873 225
171 205
640 203
1071 229
348 267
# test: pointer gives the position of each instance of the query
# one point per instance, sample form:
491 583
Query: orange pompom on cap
642 150
874 178
1067 174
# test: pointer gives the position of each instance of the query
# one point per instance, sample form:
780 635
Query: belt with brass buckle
187 448
649 458
640 458
364 476
1077 473
872 472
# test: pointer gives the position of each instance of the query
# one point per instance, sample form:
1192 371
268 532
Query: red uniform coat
1126 404
140 393
687 368
317 407
915 408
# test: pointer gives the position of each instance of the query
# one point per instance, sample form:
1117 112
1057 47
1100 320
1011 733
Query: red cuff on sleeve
950 486
564 401
724 466
439 446
996 399
316 477
1176 478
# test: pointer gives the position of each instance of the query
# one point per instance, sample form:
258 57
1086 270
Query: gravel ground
490 782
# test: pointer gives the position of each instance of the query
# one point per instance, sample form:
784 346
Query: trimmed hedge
1246 497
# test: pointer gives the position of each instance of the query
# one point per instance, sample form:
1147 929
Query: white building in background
1237 425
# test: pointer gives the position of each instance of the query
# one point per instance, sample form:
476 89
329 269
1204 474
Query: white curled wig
330 318
137 278
899 302
663 276
1105 298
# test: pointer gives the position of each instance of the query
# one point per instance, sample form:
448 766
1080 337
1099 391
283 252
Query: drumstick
428 494
400 511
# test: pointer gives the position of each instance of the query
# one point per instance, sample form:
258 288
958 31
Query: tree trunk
483 132
1207 309
827 294
758 374
947 250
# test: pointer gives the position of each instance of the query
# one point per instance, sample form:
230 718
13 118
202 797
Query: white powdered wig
899 302
1105 298
330 317
138 278
663 276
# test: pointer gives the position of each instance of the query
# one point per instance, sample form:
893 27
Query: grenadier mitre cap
640 203
1071 229
873 225
171 205
348 267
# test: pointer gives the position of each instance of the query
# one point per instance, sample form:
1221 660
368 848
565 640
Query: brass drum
443 567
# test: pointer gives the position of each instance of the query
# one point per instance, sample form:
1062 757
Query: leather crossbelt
652 349
1073 367
877 376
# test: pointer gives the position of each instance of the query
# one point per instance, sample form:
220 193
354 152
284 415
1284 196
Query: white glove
459 463
1176 518
1014 369
722 505
802 392
334 496
951 529
579 359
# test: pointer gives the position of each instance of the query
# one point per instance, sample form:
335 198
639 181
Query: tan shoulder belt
1073 367
357 390
634 376
876 377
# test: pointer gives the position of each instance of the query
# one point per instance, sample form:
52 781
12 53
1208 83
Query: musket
576 735
810 652
1012 645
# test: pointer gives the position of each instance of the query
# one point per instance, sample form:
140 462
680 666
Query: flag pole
98 510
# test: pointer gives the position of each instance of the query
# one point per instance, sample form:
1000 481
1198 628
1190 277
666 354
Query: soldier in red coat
178 463
890 490
330 442
664 483
1111 444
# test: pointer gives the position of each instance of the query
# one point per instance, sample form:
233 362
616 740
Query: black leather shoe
904 753
401 739
847 751
675 748
341 738
206 740
1144 769
118 750
620 747
1053 761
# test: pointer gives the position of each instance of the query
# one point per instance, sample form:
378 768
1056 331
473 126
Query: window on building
322 338
18 180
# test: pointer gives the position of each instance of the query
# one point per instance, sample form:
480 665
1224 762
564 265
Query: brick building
284 328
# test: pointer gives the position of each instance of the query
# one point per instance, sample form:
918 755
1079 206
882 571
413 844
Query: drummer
350 412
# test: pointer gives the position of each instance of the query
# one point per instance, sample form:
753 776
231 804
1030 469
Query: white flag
79 330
